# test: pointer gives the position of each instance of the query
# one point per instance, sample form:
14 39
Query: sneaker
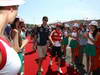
51 62
59 69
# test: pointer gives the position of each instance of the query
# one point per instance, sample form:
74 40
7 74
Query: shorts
56 51
90 50
65 41
42 51
74 44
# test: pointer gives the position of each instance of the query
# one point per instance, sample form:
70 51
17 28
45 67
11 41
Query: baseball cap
57 25
66 25
76 25
11 2
94 23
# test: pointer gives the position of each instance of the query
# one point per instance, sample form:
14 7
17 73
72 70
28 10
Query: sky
59 10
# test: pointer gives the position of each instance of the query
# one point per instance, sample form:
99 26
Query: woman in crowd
10 63
23 30
30 47
74 44
90 48
15 38
95 67
65 38
82 41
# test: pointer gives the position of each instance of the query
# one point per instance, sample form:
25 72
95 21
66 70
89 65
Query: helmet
11 2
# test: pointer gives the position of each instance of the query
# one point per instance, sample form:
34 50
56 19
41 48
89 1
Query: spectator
42 38
65 38
90 48
56 38
74 44
9 61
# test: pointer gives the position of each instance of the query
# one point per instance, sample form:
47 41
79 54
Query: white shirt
65 33
57 43
13 63
74 34
89 41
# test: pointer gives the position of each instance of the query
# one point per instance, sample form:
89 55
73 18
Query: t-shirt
57 37
22 34
82 41
42 35
89 41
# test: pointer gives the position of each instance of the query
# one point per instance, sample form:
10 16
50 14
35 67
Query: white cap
94 23
53 26
11 2
21 19
76 25
66 25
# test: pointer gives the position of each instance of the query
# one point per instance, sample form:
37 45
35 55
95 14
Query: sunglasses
45 19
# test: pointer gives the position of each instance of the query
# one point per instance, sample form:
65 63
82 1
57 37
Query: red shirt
30 44
56 35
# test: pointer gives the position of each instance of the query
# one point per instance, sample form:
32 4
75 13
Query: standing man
10 63
56 39
42 38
